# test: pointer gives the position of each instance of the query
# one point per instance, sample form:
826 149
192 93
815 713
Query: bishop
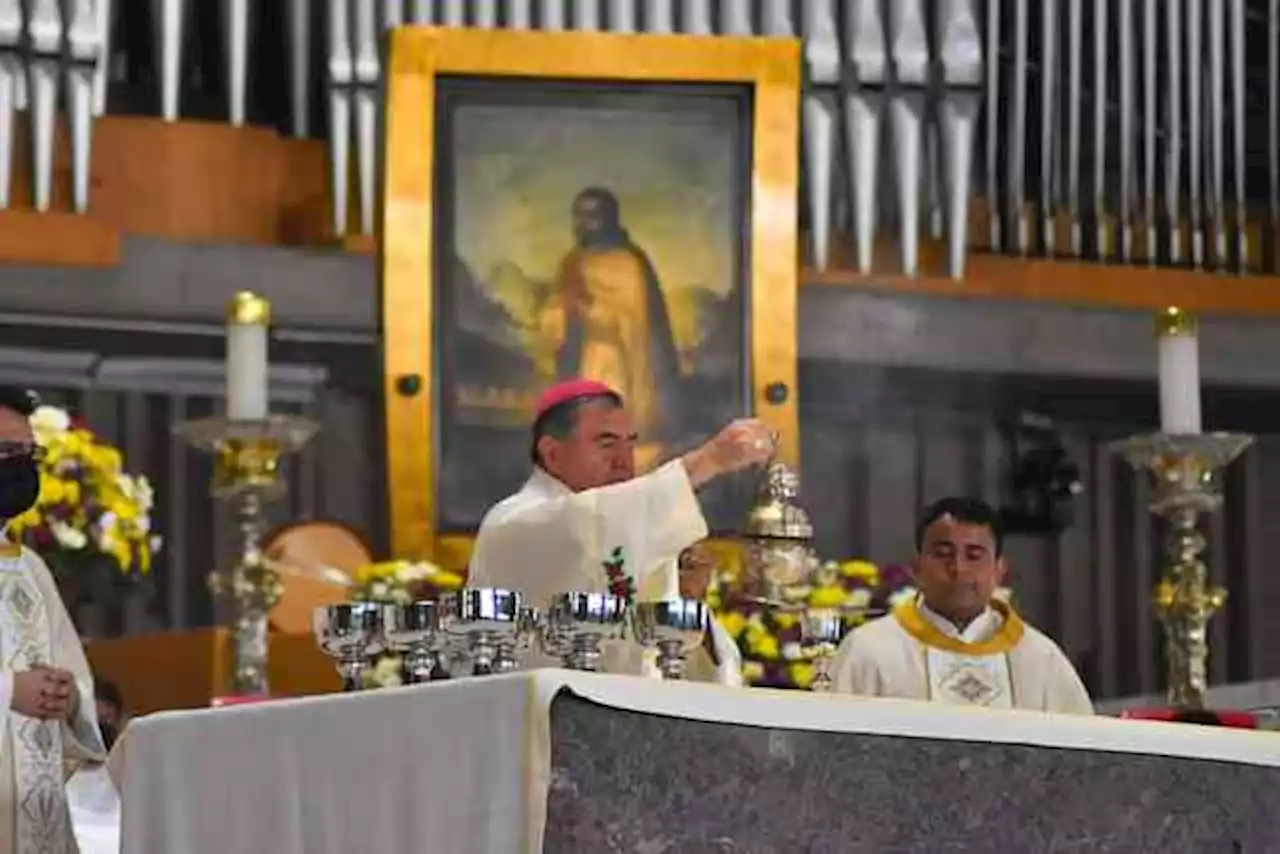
584 522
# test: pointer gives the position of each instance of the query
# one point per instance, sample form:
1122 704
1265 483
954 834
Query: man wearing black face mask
48 718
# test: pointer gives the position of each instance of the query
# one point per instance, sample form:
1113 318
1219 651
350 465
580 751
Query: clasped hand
48 693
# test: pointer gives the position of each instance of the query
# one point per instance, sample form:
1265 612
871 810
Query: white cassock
547 539
37 757
998 661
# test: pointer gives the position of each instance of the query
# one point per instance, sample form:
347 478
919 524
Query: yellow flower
785 620
446 580
732 622
801 673
861 569
762 644
827 597
383 570
752 670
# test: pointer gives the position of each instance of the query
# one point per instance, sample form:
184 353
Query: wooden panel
189 181
60 239
186 670
1138 288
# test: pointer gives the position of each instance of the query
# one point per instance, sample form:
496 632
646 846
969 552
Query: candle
248 319
1179 372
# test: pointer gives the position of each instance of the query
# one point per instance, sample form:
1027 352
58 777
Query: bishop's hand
48 693
743 443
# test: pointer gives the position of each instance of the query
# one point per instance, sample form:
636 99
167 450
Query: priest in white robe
955 643
49 727
584 522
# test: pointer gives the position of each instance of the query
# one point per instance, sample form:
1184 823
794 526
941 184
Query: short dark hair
20 400
558 421
969 511
108 692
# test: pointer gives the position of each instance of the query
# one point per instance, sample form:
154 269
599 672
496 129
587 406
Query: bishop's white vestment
36 756
997 661
547 539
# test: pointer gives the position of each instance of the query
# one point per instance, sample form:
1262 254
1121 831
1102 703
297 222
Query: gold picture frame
419 56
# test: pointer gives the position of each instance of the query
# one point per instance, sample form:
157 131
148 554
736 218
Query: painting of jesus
594 233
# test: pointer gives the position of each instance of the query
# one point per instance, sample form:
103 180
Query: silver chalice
351 634
577 623
821 631
412 631
492 626
676 627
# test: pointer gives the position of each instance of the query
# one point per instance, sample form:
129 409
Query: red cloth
1220 717
568 390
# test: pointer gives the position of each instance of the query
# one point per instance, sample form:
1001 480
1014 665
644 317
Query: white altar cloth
463 767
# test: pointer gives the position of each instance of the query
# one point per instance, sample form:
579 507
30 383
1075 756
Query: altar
558 761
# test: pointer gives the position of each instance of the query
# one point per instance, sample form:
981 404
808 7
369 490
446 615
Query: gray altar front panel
630 782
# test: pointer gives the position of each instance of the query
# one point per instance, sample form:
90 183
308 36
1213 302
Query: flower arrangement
92 521
398 582
770 641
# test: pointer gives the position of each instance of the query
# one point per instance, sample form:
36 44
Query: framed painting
620 207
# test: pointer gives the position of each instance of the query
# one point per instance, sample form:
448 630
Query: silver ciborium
778 536
412 631
350 634
577 624
490 625
676 627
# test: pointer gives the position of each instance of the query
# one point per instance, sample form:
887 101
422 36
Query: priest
584 522
954 643
51 725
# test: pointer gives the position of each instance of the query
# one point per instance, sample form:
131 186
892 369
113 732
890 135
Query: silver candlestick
246 475
1186 476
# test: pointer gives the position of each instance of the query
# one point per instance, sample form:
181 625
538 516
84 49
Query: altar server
954 643
51 726
585 522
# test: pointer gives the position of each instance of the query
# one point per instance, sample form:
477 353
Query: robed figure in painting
607 319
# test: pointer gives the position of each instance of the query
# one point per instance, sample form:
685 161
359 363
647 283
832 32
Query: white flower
419 571
136 489
72 539
50 420
156 543
859 597
792 651
406 572
386 673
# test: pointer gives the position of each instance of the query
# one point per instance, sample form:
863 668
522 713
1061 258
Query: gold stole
962 673
41 821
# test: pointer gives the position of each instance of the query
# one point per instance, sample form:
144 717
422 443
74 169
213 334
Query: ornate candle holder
1186 477
246 475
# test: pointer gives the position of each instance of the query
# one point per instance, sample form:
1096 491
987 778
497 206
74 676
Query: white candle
248 322
1179 372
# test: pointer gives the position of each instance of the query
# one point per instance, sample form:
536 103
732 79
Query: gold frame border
418 54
